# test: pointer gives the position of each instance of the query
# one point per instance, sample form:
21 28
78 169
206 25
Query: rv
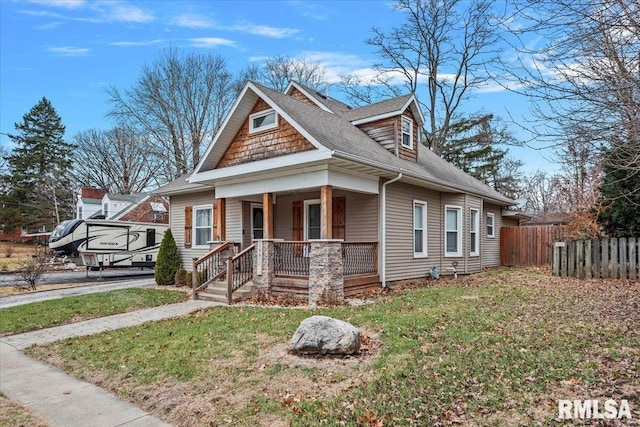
105 243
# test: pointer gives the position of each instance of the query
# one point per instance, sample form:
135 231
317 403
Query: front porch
316 271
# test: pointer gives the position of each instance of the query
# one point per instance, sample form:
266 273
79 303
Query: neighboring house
303 167
89 202
140 207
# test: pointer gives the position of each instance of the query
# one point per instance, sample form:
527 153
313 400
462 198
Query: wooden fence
527 245
615 258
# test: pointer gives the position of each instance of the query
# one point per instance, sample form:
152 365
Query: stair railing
210 267
239 271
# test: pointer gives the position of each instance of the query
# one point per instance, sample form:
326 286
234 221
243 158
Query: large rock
325 335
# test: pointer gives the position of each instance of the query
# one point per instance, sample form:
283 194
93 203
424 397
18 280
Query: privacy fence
615 258
528 245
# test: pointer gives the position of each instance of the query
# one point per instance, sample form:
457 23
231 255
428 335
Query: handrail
360 258
292 258
210 267
239 271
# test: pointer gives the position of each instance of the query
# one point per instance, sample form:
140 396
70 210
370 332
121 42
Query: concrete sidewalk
13 300
63 400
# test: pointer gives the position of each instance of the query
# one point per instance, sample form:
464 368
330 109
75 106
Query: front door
257 222
312 224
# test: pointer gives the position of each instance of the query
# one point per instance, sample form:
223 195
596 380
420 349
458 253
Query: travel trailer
104 243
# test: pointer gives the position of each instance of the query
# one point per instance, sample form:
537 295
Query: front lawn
499 348
46 314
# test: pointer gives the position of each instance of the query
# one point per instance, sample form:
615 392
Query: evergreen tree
473 146
37 191
620 193
168 260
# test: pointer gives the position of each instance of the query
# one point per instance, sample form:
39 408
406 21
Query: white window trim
493 225
425 252
407 119
459 231
253 116
194 234
477 232
305 223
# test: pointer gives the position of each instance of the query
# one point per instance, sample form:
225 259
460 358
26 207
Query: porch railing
239 271
211 267
292 258
360 258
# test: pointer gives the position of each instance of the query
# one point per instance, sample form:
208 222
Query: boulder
325 335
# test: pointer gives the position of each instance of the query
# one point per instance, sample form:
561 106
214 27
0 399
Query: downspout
383 238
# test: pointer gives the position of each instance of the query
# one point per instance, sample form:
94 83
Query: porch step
217 292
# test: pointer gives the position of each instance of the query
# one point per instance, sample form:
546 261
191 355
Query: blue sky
70 51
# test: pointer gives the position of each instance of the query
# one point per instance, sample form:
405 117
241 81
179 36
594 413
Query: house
139 207
338 199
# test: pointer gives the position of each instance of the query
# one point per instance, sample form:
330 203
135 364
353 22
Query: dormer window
407 133
262 121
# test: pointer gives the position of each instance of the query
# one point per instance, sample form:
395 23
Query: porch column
326 212
267 212
221 220
326 272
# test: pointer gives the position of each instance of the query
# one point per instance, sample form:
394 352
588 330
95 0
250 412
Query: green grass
497 350
46 314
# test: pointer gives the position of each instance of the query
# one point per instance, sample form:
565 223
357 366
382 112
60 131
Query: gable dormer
394 124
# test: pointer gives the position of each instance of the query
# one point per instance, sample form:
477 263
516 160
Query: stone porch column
326 273
263 265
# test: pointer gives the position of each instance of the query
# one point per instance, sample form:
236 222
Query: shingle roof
90 201
132 198
338 134
334 105
377 109
179 185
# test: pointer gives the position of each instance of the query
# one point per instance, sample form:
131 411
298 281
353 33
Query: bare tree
585 78
542 193
278 71
31 272
440 53
179 102
118 160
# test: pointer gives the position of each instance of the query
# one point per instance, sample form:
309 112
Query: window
262 121
257 222
474 234
311 219
491 219
407 132
105 210
203 225
452 227
79 212
419 229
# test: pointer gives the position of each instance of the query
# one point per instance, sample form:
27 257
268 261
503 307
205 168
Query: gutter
383 237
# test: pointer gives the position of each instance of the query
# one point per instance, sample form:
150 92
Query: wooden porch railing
239 271
360 258
212 266
292 259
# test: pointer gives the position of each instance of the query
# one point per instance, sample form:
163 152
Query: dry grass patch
12 414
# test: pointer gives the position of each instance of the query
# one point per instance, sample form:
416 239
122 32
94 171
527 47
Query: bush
168 260
182 278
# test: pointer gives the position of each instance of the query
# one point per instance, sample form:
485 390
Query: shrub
168 260
182 278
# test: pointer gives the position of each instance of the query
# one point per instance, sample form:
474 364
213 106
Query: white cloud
193 21
69 51
65 4
138 43
122 12
211 42
263 30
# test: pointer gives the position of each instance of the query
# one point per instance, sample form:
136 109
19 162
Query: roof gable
237 117
384 109
247 146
